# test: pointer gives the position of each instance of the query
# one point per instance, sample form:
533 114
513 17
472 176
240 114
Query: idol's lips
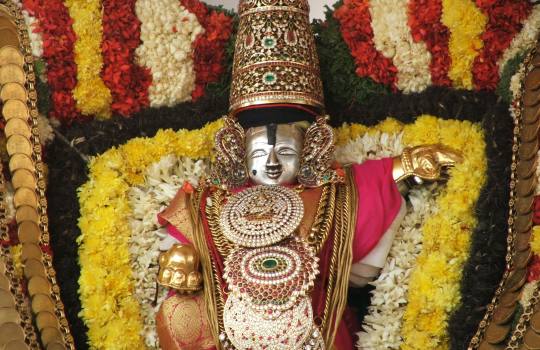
273 174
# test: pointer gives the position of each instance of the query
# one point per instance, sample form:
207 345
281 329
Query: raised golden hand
425 162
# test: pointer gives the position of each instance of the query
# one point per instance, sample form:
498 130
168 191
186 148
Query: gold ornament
261 215
425 162
179 269
275 58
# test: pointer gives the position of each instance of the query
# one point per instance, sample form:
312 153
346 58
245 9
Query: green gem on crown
269 78
269 42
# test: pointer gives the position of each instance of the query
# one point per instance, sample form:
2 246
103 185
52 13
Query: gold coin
25 196
9 37
29 232
11 55
496 333
24 178
15 109
503 314
18 144
10 331
16 345
2 266
42 302
6 22
26 213
521 259
524 204
8 314
535 322
33 267
16 126
39 285
524 187
4 282
50 335
516 280
6 299
522 241
11 73
13 91
526 168
31 251
531 339
56 346
46 319
21 161
523 223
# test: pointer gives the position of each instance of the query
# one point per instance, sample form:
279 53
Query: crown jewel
275 58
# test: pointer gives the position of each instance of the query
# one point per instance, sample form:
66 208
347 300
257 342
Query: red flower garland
127 81
536 210
504 22
355 27
424 19
55 26
209 47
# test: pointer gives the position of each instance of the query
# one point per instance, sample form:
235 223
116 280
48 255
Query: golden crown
275 58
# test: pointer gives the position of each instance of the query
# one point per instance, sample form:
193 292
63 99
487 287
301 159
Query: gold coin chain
30 195
30 338
511 237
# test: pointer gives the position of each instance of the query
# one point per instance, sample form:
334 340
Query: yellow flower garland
90 93
108 306
112 313
434 288
466 23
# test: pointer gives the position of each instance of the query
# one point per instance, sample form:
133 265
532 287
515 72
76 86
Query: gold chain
37 160
513 344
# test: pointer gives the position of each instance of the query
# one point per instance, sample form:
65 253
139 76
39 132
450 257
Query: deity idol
266 248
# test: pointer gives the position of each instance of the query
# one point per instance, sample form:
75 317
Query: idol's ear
318 155
229 169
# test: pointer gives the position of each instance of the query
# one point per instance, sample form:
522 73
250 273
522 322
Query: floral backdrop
131 91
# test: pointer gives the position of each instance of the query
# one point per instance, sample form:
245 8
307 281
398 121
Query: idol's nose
273 165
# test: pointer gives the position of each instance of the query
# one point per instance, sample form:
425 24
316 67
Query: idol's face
273 153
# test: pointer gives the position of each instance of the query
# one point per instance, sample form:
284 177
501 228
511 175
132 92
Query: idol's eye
258 153
287 151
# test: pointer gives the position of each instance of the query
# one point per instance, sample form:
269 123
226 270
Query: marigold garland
55 26
110 311
466 23
91 94
425 23
355 21
127 81
504 22
434 290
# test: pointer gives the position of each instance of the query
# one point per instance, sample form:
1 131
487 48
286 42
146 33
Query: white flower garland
382 324
392 37
524 40
168 31
163 179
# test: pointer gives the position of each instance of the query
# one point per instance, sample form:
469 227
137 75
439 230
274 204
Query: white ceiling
317 6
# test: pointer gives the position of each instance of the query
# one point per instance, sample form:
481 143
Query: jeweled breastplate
269 273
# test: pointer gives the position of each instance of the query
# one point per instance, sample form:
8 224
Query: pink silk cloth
379 202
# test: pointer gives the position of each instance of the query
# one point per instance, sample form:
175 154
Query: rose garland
209 47
168 31
434 290
393 38
163 179
355 21
466 23
504 22
425 23
524 40
55 26
127 81
90 92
